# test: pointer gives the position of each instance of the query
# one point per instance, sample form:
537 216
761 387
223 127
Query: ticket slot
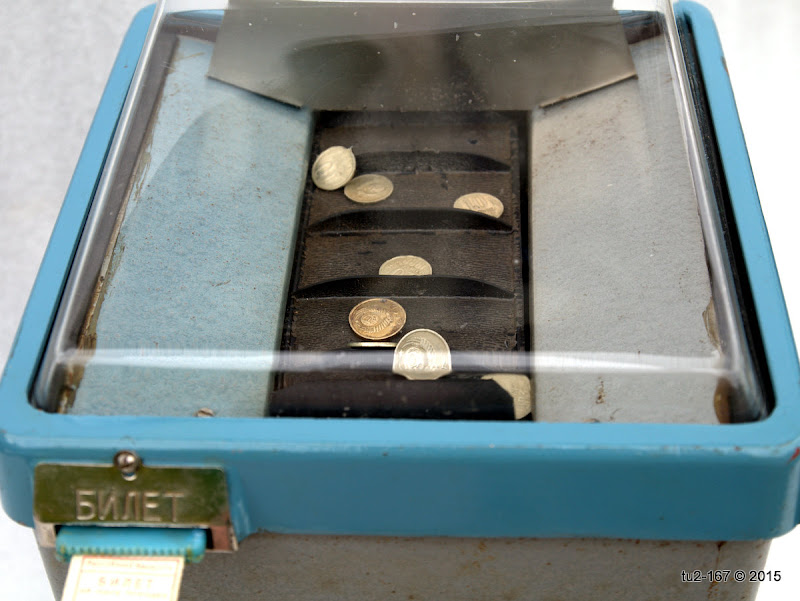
467 323
469 399
400 221
426 160
481 133
402 287
456 253
423 190
189 543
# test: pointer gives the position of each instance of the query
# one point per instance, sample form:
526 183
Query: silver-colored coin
333 168
480 202
519 387
422 355
366 189
406 265
372 344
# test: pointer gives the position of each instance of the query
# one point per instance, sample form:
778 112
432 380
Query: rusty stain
87 339
722 405
795 455
601 393
712 327
713 583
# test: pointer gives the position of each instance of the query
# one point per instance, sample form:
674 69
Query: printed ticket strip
100 578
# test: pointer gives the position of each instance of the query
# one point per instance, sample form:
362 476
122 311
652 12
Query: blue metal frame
722 482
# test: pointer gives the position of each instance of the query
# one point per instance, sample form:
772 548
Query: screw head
204 412
127 462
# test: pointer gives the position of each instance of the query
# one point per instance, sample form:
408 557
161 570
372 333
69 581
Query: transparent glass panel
436 211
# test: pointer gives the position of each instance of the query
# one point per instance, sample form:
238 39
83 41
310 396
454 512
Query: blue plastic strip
731 482
150 542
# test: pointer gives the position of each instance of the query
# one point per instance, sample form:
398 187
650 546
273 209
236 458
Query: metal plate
158 496
421 56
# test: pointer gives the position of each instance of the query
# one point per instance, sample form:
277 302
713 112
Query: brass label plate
158 496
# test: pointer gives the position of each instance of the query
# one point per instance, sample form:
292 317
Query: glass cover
444 210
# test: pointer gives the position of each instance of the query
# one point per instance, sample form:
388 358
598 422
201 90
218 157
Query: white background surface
55 57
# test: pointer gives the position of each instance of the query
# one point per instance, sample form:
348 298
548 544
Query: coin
377 318
480 202
370 188
372 344
422 355
333 168
406 265
519 387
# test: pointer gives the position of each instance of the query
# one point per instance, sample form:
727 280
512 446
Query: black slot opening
468 311
403 286
407 220
425 161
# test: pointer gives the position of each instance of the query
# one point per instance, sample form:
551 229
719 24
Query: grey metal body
350 568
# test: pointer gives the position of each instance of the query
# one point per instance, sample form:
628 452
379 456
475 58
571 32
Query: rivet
127 462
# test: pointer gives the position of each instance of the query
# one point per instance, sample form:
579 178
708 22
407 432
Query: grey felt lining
618 257
204 250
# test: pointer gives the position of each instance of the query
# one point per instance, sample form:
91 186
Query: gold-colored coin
372 344
519 387
480 202
422 355
366 189
377 318
333 168
406 265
